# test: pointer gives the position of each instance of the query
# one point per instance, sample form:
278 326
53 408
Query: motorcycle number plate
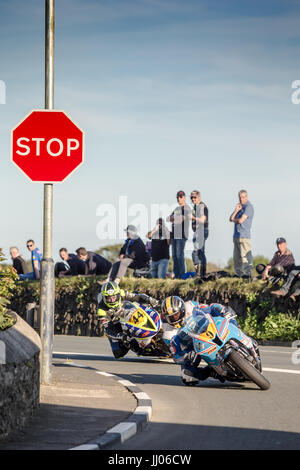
137 319
209 334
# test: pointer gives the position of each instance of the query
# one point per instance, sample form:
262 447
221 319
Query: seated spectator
281 264
132 255
70 265
160 247
95 264
36 258
293 276
19 263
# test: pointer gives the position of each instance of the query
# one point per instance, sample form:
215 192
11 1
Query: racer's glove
192 357
153 302
144 298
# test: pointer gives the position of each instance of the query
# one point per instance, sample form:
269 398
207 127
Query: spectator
36 258
70 265
242 218
160 242
19 263
282 262
94 264
180 219
132 254
293 276
200 229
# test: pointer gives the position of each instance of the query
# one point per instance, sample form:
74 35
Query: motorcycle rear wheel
248 370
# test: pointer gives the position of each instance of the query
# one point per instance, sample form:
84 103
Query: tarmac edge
126 429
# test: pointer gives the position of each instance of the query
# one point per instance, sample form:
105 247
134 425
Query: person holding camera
160 247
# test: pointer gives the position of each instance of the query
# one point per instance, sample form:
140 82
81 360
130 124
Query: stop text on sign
47 146
54 147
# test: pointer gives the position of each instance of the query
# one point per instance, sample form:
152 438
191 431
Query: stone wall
19 376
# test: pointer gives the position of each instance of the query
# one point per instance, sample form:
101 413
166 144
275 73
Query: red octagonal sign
47 146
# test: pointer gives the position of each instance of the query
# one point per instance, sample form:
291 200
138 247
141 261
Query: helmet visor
111 299
174 317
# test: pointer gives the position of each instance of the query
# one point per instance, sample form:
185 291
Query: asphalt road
211 415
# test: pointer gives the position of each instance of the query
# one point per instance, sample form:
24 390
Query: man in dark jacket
19 263
94 264
133 255
70 264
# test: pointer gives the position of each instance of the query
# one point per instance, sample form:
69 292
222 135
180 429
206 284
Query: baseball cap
280 240
180 193
131 229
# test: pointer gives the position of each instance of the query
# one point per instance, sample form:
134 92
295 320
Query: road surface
211 415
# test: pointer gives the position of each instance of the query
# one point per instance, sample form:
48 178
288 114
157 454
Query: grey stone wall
19 376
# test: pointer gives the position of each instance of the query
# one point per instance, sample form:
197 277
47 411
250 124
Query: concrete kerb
127 428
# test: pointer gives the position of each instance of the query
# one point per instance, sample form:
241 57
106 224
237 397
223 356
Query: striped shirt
285 259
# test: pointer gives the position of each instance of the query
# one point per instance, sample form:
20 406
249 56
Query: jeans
198 255
159 268
292 277
178 246
30 276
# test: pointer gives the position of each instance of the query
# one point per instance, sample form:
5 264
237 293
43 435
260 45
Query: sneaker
279 292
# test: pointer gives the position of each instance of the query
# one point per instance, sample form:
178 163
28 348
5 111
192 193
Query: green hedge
259 313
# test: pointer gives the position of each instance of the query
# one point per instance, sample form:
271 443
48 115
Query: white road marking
286 371
141 358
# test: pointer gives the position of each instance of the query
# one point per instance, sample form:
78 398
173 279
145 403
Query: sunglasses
180 197
29 246
194 197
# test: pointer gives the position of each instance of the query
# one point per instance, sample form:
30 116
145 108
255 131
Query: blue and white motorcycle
225 348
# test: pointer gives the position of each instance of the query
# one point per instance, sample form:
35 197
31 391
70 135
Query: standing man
200 229
160 241
36 259
19 263
180 219
242 218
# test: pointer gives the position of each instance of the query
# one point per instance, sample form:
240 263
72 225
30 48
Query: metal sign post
47 265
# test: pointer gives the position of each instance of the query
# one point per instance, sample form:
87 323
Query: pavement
83 409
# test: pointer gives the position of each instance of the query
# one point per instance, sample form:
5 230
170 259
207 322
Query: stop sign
47 146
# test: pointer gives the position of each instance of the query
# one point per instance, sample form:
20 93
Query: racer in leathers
175 315
110 309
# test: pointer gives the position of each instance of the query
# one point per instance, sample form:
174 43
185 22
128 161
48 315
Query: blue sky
172 95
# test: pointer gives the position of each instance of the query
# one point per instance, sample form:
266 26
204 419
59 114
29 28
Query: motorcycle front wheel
248 370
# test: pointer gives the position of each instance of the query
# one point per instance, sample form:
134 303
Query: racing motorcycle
139 328
230 352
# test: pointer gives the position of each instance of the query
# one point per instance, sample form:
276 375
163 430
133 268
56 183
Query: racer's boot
210 372
188 377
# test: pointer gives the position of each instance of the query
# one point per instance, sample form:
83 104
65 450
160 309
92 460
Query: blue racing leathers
181 344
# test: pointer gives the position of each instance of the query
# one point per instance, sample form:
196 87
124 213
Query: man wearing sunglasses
36 258
180 219
200 229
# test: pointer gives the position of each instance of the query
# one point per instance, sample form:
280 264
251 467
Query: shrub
260 315
8 277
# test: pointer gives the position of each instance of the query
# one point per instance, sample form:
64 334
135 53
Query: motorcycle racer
110 309
175 315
